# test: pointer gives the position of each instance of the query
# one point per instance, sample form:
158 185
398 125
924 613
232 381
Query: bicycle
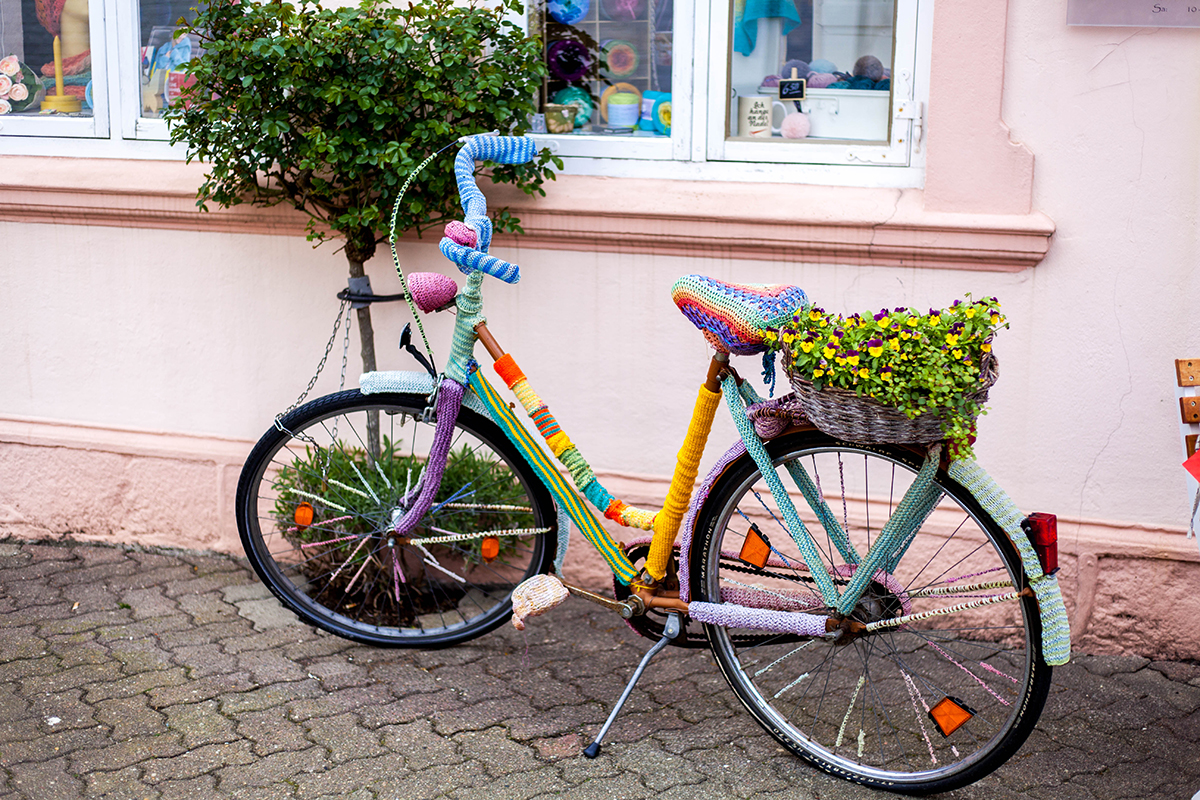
897 629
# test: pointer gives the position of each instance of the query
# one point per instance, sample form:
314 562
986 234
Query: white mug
756 114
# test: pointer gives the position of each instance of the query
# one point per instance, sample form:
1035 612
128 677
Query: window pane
29 78
842 48
163 53
609 64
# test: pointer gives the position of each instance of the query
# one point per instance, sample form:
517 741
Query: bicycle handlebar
502 150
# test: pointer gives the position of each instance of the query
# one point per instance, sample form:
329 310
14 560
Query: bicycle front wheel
320 494
866 706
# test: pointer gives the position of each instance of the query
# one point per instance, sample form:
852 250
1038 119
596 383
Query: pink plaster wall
147 346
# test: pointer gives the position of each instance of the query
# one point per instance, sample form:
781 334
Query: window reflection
609 65
842 49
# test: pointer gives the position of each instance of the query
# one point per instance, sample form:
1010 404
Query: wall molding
826 224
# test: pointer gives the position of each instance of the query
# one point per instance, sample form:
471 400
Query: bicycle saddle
733 316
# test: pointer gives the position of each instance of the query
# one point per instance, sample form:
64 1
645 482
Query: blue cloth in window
746 14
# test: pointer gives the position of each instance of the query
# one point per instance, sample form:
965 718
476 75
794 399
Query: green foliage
330 109
918 363
364 493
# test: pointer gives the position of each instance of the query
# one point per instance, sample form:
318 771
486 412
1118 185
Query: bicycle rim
319 497
860 707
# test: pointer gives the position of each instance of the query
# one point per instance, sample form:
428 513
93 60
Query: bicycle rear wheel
859 708
316 510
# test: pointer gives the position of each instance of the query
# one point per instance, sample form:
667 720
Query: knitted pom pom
430 291
460 233
795 126
820 80
802 68
868 67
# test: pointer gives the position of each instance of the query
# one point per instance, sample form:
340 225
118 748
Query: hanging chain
328 349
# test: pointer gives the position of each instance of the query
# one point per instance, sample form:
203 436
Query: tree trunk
366 336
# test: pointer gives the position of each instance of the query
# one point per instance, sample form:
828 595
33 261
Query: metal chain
328 349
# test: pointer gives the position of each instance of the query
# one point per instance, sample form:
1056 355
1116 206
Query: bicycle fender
411 382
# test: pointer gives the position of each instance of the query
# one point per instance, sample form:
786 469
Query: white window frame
698 147
95 126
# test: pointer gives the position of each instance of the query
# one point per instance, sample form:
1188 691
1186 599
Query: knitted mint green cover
1056 632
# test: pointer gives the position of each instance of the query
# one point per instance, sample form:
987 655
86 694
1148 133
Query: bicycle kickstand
672 629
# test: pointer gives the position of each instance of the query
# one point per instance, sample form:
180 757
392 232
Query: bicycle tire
858 707
345 571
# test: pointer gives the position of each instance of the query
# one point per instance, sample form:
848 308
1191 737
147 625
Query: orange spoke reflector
489 548
755 549
950 714
303 515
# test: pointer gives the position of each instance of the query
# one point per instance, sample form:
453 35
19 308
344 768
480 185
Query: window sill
830 224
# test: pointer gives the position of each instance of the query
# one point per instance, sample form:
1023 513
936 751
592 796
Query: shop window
802 81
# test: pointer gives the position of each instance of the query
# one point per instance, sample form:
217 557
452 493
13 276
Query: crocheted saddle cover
733 316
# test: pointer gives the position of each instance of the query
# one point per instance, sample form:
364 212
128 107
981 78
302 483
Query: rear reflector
949 715
756 549
1042 530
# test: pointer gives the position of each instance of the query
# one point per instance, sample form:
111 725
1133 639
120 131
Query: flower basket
844 414
897 376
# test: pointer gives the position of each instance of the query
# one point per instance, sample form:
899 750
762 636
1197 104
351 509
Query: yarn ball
795 126
861 82
839 85
802 68
769 80
820 80
883 85
868 67
822 65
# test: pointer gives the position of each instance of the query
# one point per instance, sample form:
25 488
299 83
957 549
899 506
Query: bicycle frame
721 382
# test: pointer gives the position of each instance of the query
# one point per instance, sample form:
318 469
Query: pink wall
147 346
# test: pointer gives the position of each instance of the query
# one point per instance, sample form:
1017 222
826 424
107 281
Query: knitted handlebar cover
502 150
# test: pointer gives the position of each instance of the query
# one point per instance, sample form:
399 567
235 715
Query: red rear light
1043 535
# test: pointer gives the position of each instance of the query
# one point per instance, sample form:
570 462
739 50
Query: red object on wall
1192 465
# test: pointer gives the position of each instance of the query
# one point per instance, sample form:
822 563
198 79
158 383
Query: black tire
857 707
346 572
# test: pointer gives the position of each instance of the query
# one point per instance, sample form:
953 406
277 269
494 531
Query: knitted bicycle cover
410 382
567 499
1056 631
733 316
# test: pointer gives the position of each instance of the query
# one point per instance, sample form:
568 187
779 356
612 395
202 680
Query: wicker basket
842 413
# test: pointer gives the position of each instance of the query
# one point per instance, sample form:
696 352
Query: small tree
330 109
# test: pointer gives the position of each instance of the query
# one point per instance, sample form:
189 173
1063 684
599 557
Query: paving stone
199 761
46 780
122 784
419 746
200 724
344 738
179 696
127 717
271 731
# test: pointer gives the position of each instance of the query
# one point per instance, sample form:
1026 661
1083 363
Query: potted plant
329 110
897 375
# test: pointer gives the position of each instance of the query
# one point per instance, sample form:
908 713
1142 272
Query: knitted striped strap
588 525
1056 630
566 451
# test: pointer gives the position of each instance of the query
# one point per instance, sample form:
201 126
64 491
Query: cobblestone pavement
130 674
